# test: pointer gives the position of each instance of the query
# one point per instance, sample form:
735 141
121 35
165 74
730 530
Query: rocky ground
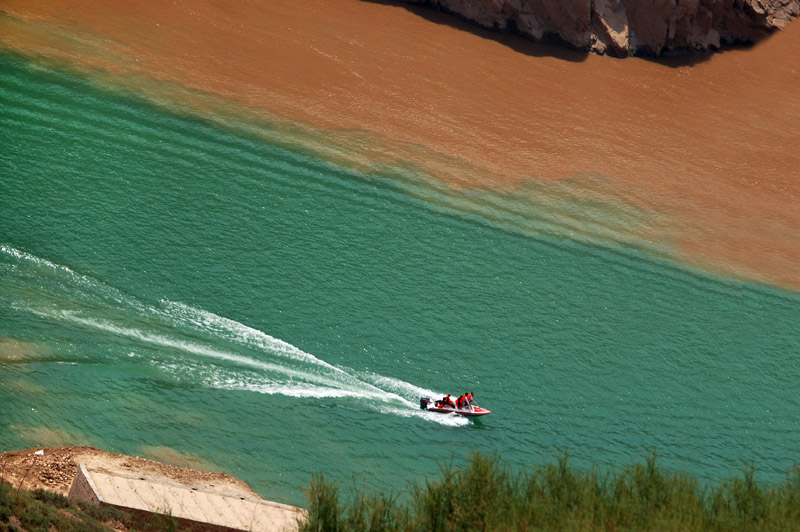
53 469
630 27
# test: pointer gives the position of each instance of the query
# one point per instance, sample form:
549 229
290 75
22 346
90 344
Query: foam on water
240 333
235 356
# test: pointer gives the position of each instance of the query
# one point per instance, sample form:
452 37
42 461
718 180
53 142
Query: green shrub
371 513
476 498
323 514
45 511
485 497
51 498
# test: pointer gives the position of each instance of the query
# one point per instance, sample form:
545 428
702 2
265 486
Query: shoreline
56 468
146 489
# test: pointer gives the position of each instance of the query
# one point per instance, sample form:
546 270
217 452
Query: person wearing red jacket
462 401
447 401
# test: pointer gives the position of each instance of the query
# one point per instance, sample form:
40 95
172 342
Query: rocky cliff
630 27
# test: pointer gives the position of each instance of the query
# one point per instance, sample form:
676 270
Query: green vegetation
45 511
485 496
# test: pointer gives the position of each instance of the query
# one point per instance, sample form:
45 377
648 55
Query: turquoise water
165 281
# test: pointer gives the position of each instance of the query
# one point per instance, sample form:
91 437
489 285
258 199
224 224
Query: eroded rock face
630 27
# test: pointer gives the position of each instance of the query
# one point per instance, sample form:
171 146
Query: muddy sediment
706 144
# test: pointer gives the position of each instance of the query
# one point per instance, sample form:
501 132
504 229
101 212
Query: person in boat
462 401
446 401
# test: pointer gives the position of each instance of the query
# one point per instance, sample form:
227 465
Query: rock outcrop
630 27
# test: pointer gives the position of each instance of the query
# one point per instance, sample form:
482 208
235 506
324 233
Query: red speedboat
425 403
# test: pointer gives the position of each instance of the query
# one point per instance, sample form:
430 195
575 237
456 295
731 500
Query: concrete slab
182 501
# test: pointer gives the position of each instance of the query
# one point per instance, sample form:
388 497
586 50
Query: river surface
219 293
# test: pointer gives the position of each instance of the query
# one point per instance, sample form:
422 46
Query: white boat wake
195 345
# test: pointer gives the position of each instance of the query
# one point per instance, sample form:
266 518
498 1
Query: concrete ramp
197 508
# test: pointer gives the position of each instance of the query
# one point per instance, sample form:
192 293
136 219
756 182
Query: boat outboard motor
423 402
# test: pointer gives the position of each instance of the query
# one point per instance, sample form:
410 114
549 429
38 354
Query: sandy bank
55 470
199 500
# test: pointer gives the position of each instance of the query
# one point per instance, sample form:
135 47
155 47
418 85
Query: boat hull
473 411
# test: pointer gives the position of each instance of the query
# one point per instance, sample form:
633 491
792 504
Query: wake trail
193 344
